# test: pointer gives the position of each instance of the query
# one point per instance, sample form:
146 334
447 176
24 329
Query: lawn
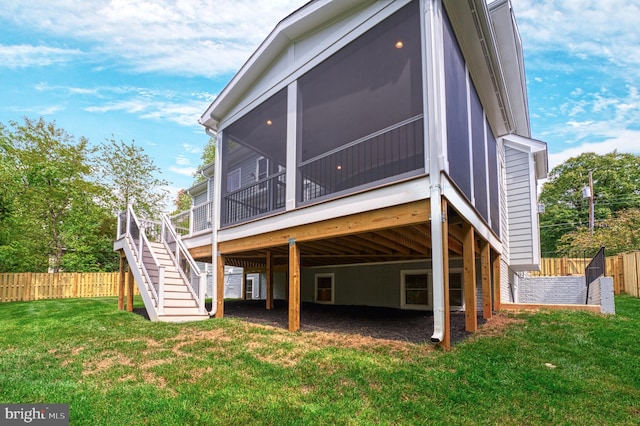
116 368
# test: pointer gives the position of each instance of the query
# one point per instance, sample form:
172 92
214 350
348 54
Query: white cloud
25 56
187 37
184 171
625 141
181 160
594 29
191 149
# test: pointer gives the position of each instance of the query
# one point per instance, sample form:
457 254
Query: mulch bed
381 323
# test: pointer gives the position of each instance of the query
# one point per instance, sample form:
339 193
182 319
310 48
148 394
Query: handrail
138 252
181 252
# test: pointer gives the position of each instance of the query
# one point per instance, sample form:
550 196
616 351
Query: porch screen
360 111
254 161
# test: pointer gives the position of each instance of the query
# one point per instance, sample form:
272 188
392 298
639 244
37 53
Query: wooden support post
469 261
446 341
130 290
294 286
496 276
269 280
220 287
485 270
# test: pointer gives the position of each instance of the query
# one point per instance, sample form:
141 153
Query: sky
145 70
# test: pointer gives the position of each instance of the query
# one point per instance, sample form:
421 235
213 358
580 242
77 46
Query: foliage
130 176
619 234
57 197
114 367
616 187
182 202
51 178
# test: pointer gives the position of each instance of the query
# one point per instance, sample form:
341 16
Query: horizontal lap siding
519 206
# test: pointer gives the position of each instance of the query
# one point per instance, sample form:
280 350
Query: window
262 170
415 290
324 288
233 180
455 289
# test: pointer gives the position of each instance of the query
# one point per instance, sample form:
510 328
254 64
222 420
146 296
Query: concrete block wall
554 290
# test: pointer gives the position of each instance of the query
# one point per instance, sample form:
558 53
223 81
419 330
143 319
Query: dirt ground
376 322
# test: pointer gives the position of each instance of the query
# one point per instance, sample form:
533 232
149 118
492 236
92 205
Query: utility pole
591 212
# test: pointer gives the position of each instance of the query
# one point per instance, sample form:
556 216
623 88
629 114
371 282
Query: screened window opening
254 162
360 111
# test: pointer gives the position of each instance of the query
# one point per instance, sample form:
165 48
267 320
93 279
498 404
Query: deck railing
386 154
196 219
265 196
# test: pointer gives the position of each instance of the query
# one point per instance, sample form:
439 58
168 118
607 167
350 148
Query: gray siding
519 207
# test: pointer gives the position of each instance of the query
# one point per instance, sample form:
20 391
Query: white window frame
232 176
403 293
460 272
333 288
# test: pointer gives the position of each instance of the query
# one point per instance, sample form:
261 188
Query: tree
130 177
618 234
616 187
50 175
208 156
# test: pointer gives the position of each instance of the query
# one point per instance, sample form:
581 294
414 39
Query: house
379 153
368 153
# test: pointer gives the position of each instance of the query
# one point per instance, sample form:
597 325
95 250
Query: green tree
618 234
616 187
130 177
51 174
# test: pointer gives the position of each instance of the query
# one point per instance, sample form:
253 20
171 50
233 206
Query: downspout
434 56
214 239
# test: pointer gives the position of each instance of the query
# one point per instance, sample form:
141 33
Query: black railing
391 152
265 196
595 269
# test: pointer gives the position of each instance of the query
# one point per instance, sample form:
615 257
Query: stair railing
136 236
183 261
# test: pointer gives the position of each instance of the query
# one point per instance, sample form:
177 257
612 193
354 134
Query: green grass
115 368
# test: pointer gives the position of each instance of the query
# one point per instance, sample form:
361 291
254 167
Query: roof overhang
535 147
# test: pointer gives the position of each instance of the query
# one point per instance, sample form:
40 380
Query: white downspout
216 222
436 135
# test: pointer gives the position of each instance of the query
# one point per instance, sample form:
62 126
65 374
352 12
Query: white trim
292 146
333 288
429 287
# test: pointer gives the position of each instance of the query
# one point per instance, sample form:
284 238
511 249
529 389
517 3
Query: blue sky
145 70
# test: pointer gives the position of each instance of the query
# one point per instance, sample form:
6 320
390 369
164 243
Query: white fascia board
532 146
304 20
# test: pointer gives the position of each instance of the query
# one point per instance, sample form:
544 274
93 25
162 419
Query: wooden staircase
169 281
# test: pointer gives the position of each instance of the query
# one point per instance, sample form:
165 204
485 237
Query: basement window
324 288
415 290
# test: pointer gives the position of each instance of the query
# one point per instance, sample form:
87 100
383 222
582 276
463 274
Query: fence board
36 286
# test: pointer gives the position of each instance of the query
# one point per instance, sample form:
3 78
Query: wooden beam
446 341
496 276
294 286
220 287
202 251
269 280
539 306
130 290
390 217
122 280
485 270
469 261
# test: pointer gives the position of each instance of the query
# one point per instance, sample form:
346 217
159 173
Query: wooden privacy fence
623 268
36 286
